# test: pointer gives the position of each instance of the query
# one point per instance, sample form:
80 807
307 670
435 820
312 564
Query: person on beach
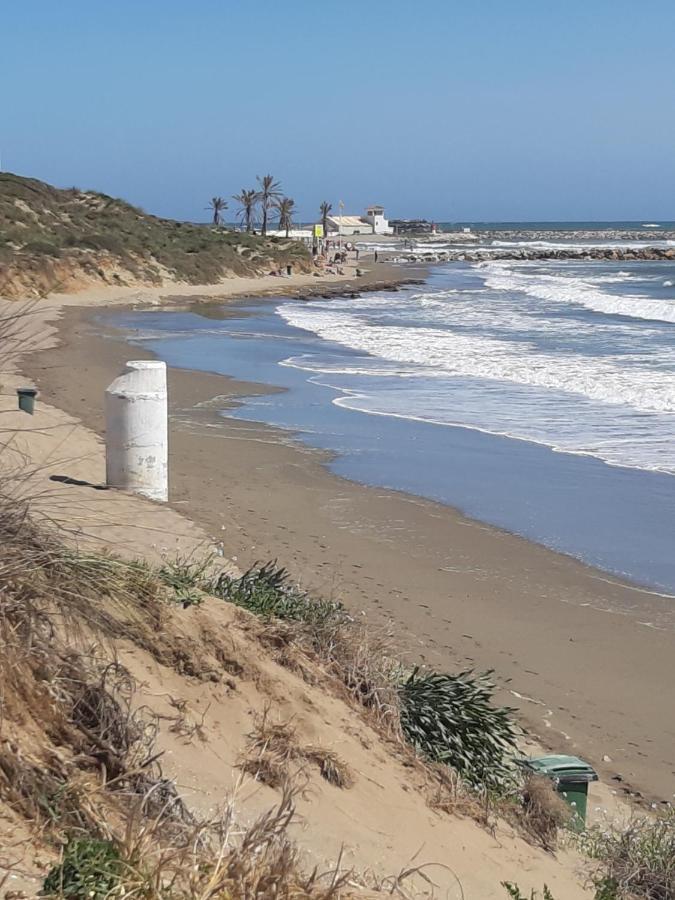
376 256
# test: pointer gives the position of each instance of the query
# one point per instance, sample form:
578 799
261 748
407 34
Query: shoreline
383 551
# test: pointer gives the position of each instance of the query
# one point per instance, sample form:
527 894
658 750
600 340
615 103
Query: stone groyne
478 254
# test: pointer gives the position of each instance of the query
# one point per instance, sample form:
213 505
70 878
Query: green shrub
267 591
90 869
450 719
110 242
44 248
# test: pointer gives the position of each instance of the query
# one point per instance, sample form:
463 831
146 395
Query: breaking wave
500 356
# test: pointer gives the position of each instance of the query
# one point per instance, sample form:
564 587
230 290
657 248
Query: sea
538 396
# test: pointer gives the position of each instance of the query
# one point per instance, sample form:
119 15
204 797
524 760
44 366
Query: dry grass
74 744
275 756
93 766
636 862
81 760
544 811
215 859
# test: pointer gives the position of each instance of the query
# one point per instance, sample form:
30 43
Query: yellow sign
318 231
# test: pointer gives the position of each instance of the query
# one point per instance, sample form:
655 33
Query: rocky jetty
477 254
534 245
605 234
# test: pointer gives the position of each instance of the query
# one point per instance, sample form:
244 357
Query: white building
348 225
375 217
373 222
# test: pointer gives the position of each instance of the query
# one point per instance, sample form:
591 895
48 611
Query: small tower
375 217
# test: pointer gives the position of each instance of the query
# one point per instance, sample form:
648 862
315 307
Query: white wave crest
563 289
604 379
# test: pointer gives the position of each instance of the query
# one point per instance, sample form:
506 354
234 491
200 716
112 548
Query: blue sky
479 110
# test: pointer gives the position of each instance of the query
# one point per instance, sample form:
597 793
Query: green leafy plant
269 592
606 888
89 869
515 893
450 719
187 579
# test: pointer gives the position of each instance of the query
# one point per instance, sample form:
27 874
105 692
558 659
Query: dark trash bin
27 399
570 776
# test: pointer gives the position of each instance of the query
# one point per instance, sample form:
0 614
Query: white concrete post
137 431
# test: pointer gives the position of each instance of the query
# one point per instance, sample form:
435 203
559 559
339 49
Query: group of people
338 257
332 253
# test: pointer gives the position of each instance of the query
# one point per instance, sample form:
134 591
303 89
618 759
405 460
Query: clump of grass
544 811
268 591
274 747
187 578
516 894
451 719
637 861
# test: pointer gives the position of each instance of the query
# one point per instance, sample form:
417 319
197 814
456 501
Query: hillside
54 240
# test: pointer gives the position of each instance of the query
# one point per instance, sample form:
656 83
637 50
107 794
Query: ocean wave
594 434
564 289
580 246
617 382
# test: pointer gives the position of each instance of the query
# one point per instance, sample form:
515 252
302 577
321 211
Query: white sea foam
449 353
564 289
502 360
580 246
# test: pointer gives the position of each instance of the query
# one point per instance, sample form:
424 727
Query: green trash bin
571 777
26 399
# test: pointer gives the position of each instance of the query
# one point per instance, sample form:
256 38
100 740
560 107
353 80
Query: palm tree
286 208
247 200
266 197
217 205
325 209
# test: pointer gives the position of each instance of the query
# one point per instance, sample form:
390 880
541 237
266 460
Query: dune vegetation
57 240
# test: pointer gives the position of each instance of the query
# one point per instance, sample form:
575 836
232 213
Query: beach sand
572 647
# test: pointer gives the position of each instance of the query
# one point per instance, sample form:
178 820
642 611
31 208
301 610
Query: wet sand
565 639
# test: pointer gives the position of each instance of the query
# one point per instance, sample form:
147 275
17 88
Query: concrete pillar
137 443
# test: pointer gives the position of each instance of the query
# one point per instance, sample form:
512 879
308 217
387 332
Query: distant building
348 225
373 222
375 217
